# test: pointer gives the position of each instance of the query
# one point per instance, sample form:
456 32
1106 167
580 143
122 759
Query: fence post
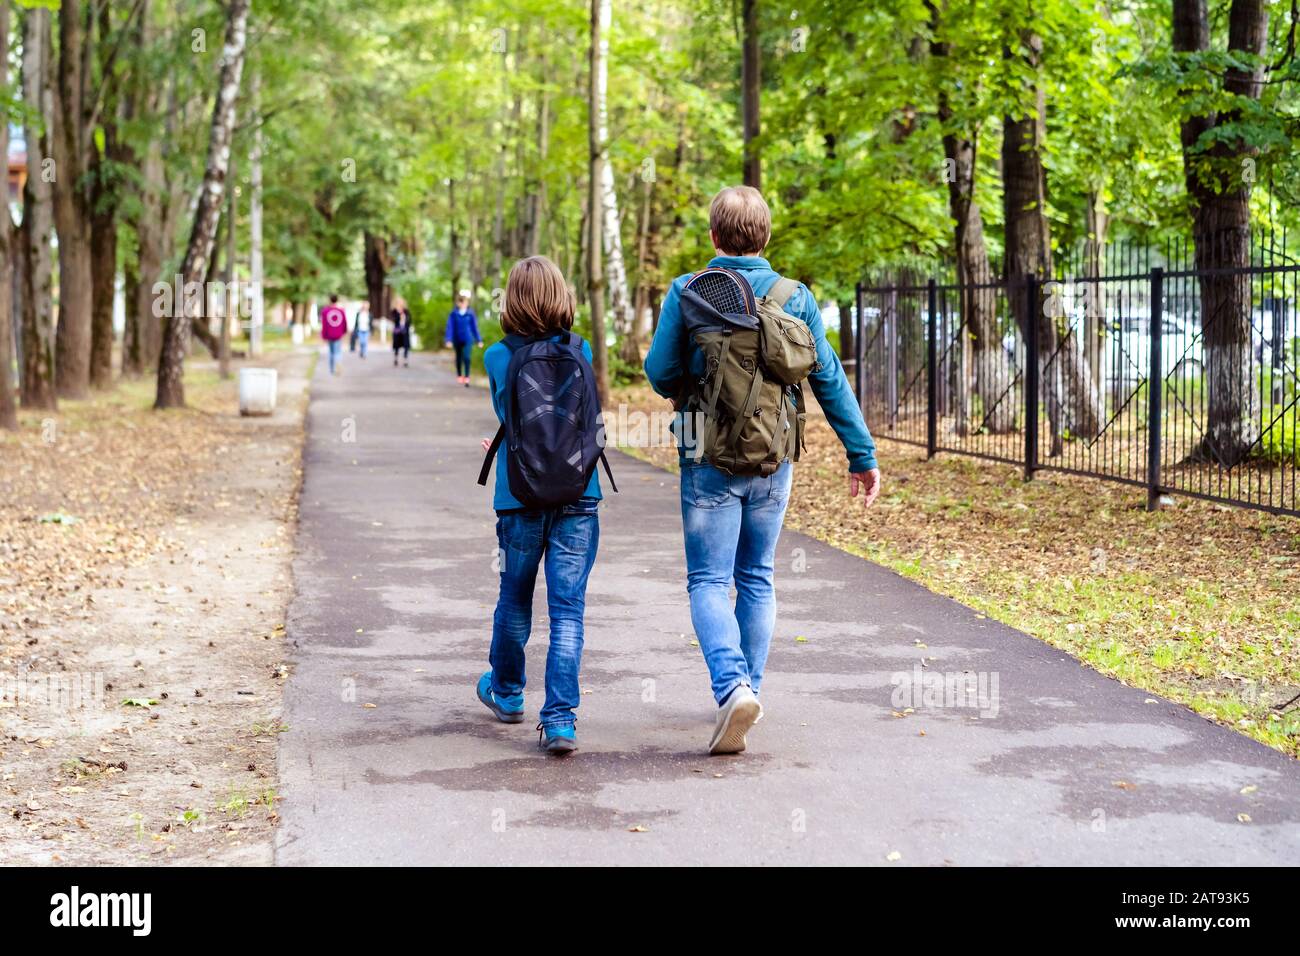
932 373
1155 388
1032 306
890 316
859 349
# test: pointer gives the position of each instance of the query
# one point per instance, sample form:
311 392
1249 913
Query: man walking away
764 337
333 326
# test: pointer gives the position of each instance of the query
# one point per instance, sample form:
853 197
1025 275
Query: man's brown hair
740 221
538 300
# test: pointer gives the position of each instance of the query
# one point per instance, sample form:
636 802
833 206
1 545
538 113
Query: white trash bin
257 390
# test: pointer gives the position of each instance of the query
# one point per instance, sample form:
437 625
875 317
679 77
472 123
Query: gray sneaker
741 712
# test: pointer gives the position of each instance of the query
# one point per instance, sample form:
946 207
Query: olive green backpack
746 414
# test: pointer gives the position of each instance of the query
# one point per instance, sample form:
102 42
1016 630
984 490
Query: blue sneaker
508 710
560 741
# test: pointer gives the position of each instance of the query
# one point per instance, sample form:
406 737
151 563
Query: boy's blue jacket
673 355
497 360
462 329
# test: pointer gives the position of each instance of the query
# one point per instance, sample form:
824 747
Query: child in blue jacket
462 335
538 303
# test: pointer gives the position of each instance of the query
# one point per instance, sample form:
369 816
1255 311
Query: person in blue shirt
731 522
538 304
462 335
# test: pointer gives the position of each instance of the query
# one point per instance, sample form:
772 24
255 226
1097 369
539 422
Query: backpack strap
751 403
492 453
710 406
608 474
781 291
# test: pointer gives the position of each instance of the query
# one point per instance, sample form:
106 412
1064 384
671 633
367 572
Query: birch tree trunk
620 299
171 388
230 308
255 267
37 295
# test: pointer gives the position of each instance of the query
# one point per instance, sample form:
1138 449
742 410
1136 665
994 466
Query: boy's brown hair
538 300
740 221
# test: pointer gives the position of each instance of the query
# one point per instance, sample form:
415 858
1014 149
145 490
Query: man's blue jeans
335 346
731 524
566 538
363 340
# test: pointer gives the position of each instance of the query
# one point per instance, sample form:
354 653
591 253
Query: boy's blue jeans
566 538
731 525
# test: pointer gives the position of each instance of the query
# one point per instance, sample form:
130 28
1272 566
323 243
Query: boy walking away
361 328
733 348
333 326
546 494
462 335
401 317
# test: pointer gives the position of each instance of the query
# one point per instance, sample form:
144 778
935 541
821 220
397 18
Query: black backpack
553 426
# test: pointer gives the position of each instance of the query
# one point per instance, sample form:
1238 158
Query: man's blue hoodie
672 355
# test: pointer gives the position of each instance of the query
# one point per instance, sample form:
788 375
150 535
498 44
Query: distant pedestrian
401 317
361 328
333 326
462 335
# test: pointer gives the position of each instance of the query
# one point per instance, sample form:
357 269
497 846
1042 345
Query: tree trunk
1217 184
103 271
230 309
8 407
1094 306
38 389
106 186
750 84
537 198
641 320
978 347
620 301
377 262
171 388
600 17
453 240
257 318
142 340
71 146
1066 386
848 354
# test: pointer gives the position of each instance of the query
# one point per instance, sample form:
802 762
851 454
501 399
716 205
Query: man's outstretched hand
868 482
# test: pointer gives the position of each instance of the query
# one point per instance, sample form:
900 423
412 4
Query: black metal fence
1133 366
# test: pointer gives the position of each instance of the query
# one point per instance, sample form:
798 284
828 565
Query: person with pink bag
333 326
